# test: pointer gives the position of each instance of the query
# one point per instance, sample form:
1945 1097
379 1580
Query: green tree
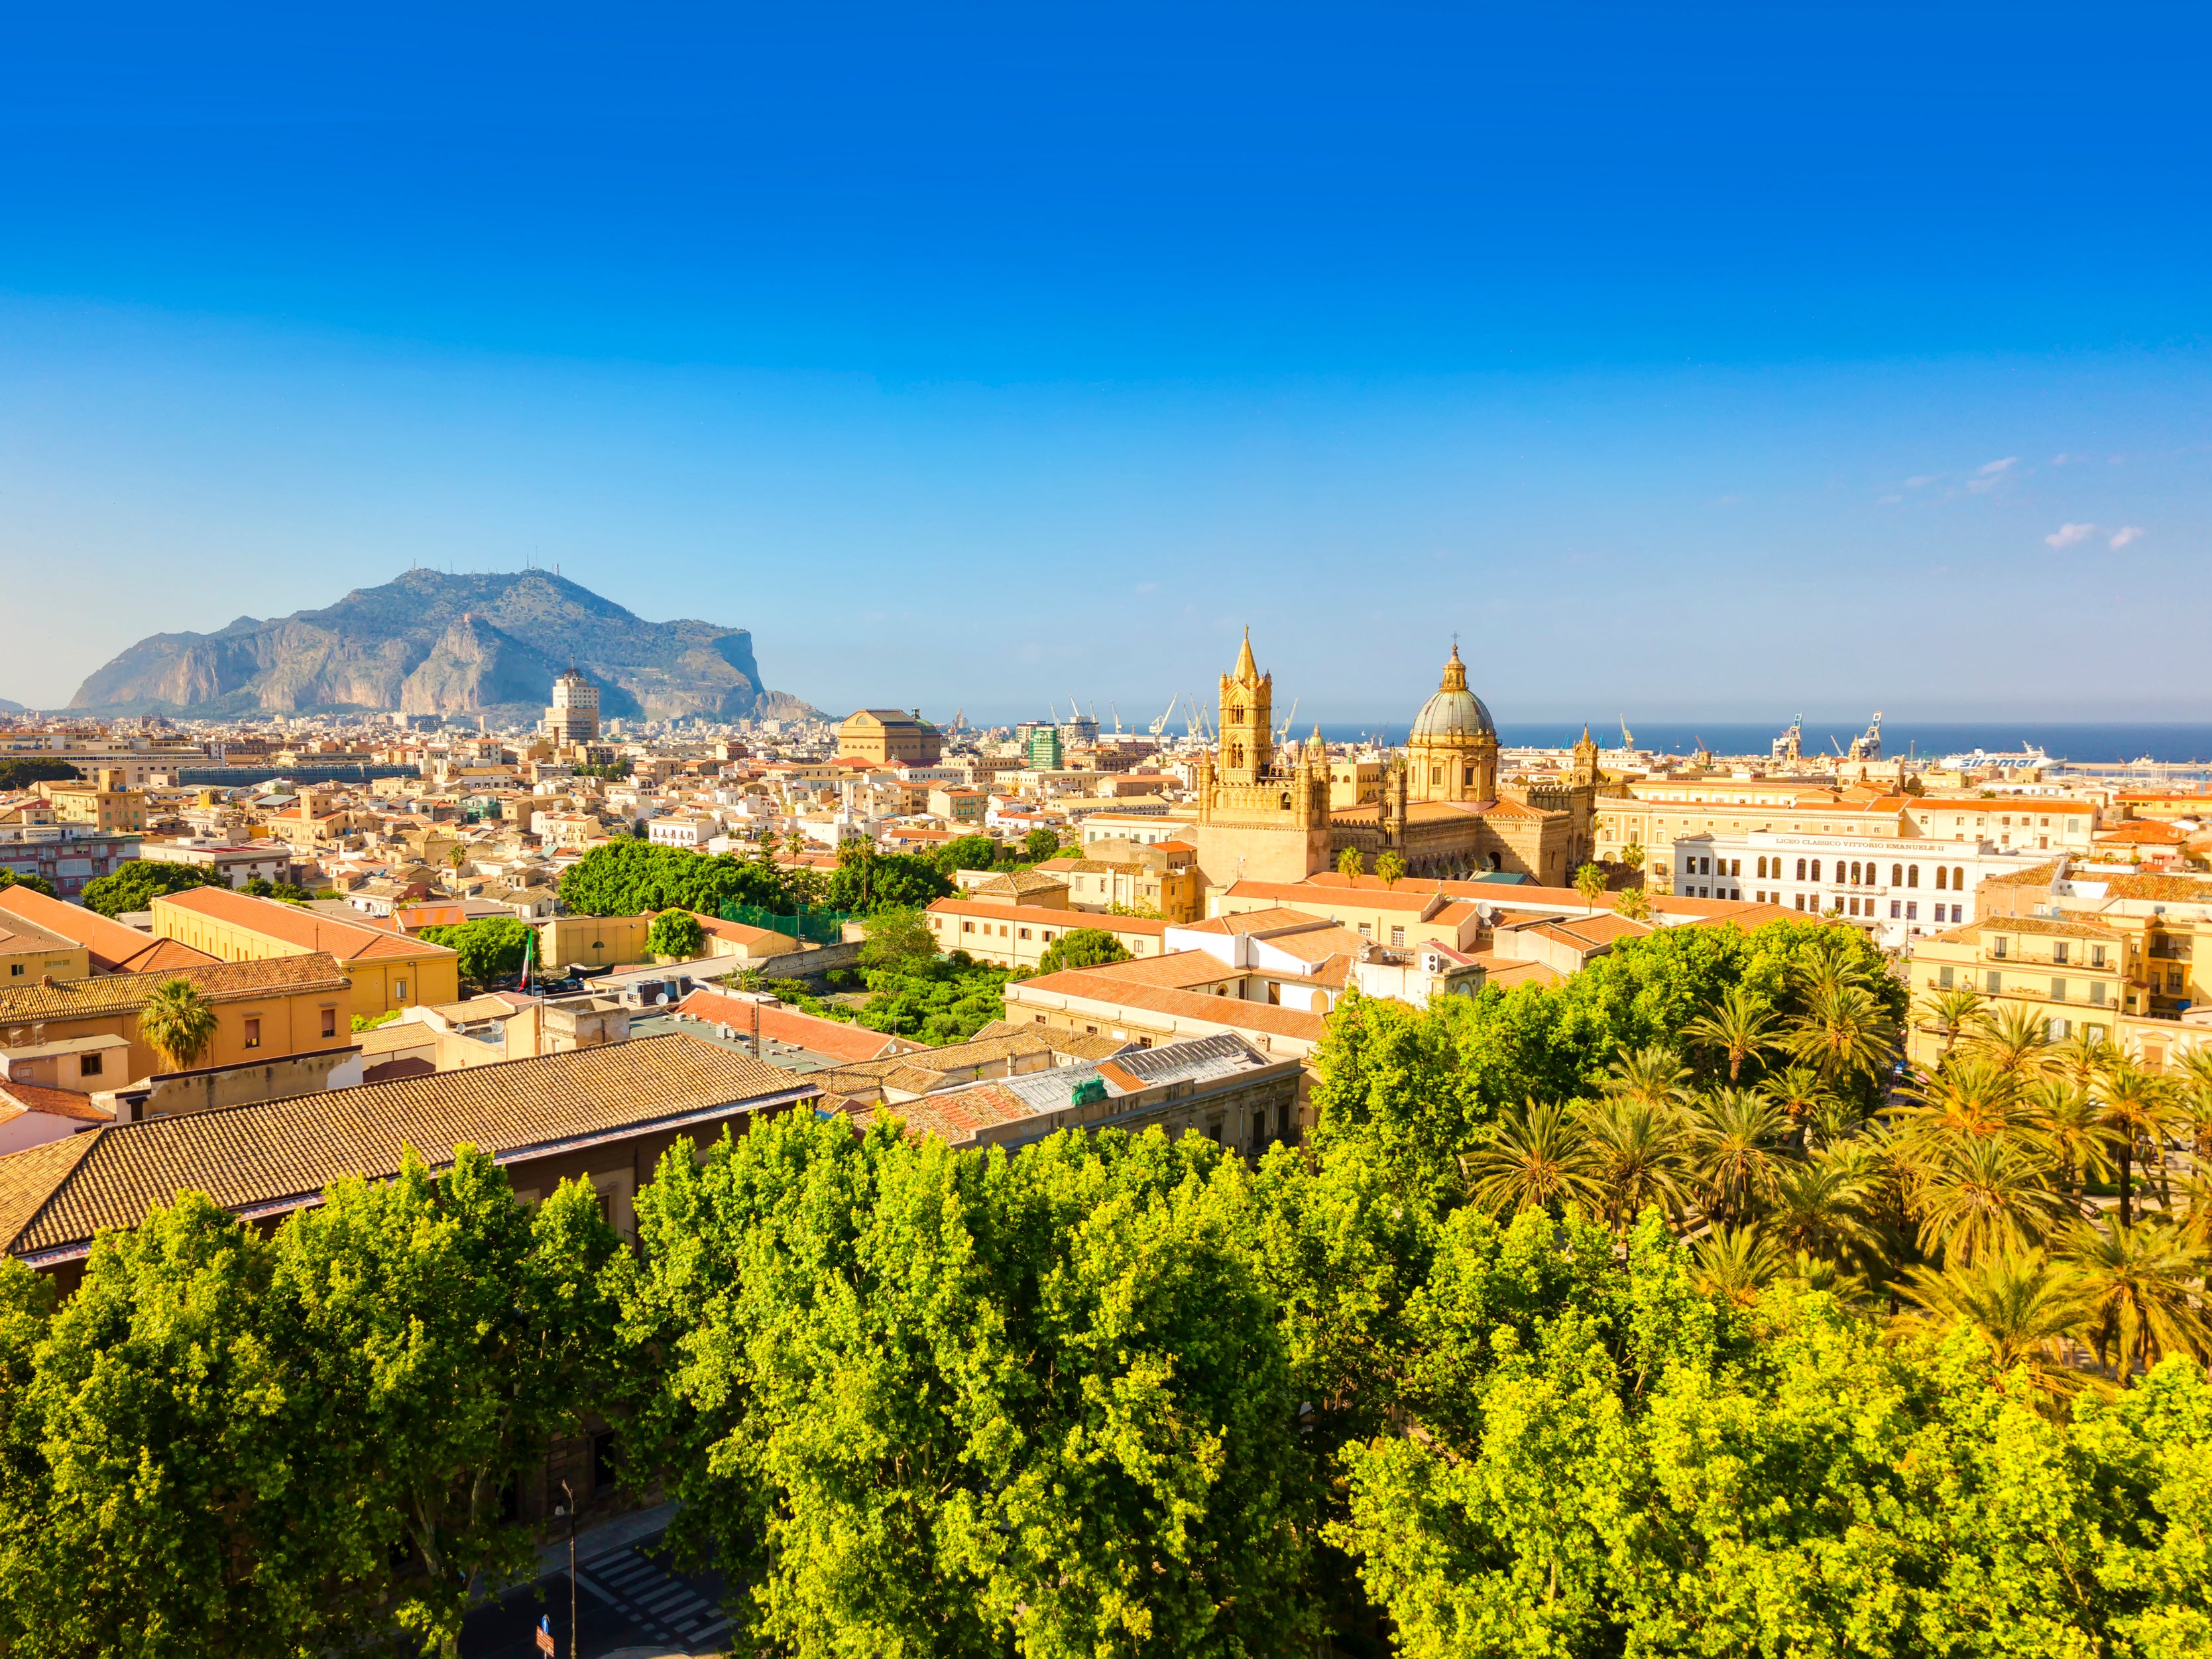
1536 1158
1350 864
448 1335
1040 844
2137 1105
955 1403
1390 867
898 940
1589 881
21 773
1736 1137
676 933
1740 1027
2141 1286
178 1023
9 878
187 1502
491 949
966 852
632 878
866 880
1634 903
136 882
1082 947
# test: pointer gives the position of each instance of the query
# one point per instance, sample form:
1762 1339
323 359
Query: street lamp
568 1509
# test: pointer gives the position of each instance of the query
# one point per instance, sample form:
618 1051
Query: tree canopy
9 878
135 883
491 949
1083 947
676 933
19 772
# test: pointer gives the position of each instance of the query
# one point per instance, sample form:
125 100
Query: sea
2173 742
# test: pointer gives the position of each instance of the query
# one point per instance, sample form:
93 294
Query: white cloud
2067 534
1148 587
1887 501
2126 533
1990 474
2068 460
1923 481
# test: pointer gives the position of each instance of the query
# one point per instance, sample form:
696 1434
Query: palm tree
1654 1075
1634 903
2136 1106
2013 1040
1391 868
1844 1031
2141 1282
178 1024
2025 1307
2082 1058
1799 1091
1531 1159
1589 881
1820 1209
1349 863
1637 1151
2193 1101
1949 1014
1736 1262
1970 1097
1974 1198
1734 1135
1742 1027
2070 1123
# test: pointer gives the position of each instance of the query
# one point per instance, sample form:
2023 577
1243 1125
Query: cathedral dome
1455 713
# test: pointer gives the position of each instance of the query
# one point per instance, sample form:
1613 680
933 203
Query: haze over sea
2178 741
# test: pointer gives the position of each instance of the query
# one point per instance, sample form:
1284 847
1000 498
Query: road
624 1599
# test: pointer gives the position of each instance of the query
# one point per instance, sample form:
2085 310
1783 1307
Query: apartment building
1018 936
2167 920
386 970
2070 974
1895 889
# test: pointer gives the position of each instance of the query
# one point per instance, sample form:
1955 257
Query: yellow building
2074 974
103 801
886 736
1017 936
1171 893
387 970
265 1010
29 952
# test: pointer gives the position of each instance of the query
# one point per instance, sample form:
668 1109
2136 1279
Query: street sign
545 1637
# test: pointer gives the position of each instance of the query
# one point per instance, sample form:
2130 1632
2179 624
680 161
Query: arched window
1816 869
1286 800
1912 876
1941 878
1236 754
1801 870
1761 871
1436 774
1897 876
1958 878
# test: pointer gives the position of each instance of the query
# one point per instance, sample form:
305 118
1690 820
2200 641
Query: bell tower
1247 719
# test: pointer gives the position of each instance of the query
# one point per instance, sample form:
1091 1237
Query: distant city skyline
979 361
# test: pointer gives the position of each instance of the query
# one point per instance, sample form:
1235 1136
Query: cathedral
1264 815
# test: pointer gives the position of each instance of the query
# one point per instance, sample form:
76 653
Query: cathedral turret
1246 718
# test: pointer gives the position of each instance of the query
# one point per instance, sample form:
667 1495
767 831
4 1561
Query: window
253 1033
1761 871
330 1023
1436 774
1736 866
1025 933
2096 955
1996 982
1958 878
399 990
1944 978
1911 910
2058 991
1997 946
1397 935
1367 930
2058 952
2097 992
1800 901
1854 907
1801 870
967 927
1816 869
1912 876
14 970
1896 908
1897 876
87 1065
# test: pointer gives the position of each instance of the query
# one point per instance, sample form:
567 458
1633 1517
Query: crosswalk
655 1600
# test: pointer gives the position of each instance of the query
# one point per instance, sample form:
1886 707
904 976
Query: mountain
429 643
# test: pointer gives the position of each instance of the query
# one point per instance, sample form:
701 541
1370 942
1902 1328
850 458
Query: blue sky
1689 360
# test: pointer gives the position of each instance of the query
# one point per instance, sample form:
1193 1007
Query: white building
1896 890
573 715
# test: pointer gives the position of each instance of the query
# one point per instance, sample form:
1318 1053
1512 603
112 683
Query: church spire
1248 671
1454 678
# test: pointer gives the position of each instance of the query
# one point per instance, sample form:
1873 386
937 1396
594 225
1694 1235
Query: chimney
46 982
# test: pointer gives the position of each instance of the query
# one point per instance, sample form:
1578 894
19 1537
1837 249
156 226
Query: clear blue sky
1688 359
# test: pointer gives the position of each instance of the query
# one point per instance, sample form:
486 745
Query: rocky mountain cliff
432 643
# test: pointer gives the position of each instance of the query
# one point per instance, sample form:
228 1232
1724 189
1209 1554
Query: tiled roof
277 1154
1257 921
1048 916
123 993
291 924
1178 969
17 934
16 1099
1505 974
114 949
1369 891
780 1024
1092 985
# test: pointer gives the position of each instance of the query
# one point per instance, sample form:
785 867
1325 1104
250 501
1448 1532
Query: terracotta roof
1504 973
17 933
2037 875
1257 921
279 1153
1097 986
293 925
954 1114
1180 969
123 993
1070 919
853 1043
2037 924
114 947
1409 894
2143 832
16 1099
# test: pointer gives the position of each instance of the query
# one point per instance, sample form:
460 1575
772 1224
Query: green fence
818 927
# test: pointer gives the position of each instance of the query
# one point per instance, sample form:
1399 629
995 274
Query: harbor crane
1161 724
